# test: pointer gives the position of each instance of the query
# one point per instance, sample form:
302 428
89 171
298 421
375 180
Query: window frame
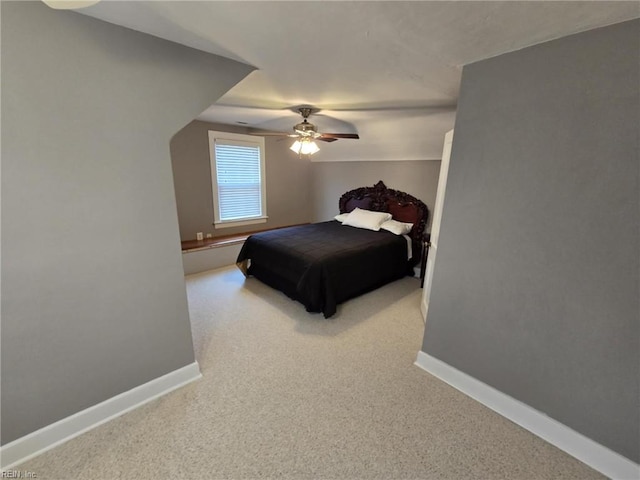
231 138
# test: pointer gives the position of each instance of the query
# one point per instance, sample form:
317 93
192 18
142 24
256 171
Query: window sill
240 223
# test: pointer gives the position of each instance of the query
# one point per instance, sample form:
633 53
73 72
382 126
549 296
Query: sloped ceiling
389 71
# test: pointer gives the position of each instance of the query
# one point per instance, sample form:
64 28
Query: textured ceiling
389 71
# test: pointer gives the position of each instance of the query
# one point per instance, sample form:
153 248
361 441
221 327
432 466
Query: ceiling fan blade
340 135
325 139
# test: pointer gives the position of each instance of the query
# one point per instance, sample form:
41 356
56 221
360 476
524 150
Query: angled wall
93 296
535 289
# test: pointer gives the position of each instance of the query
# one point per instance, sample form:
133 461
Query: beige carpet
290 395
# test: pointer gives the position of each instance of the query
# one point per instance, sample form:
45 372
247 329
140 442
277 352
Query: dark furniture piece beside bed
323 264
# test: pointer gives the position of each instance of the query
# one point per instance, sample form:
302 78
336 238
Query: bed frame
403 207
324 264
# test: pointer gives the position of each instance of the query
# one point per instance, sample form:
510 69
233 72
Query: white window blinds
238 175
238 172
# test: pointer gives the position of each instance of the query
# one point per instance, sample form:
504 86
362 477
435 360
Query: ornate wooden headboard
403 207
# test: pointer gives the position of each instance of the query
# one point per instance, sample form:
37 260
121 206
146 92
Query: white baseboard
210 258
598 457
35 443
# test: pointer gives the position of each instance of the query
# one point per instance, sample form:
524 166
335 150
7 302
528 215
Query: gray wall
535 290
93 299
287 182
332 179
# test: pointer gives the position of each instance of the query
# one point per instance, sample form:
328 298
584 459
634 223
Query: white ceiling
387 70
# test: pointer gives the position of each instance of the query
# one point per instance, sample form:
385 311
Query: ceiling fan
306 134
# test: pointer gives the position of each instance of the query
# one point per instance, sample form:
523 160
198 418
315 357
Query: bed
324 264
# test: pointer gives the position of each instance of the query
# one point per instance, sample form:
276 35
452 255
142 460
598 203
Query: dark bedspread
324 264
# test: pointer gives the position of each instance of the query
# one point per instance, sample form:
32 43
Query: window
237 178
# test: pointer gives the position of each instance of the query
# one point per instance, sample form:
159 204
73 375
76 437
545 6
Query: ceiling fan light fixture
305 146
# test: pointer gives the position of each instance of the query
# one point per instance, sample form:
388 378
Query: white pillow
399 228
341 217
366 219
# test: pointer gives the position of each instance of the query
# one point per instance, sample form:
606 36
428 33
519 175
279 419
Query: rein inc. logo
18 474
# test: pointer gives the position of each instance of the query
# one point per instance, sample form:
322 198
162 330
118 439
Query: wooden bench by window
223 241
